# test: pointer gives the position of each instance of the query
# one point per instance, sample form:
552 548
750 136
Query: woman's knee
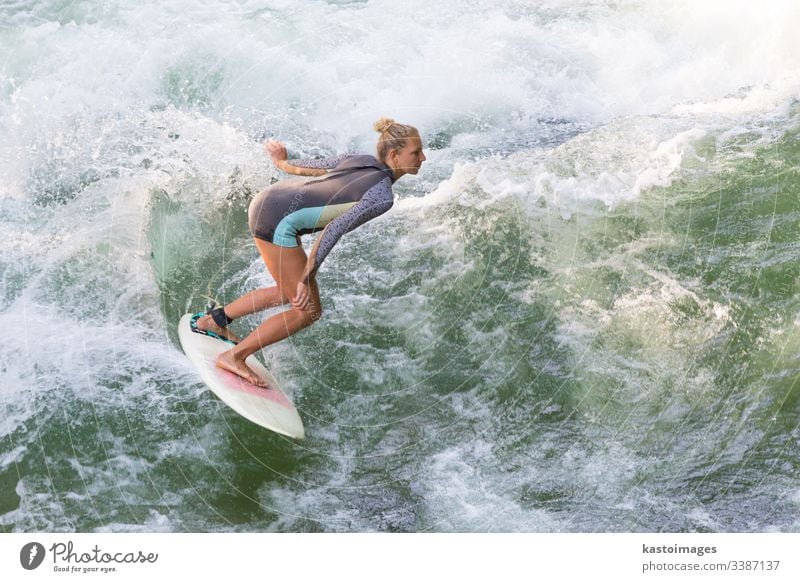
310 315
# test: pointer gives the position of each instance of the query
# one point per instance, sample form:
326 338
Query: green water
582 315
648 381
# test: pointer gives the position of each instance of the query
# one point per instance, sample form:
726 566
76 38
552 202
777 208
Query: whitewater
581 316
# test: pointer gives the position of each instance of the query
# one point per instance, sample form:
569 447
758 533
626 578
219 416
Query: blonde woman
345 192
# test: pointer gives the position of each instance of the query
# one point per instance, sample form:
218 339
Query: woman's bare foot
207 323
228 362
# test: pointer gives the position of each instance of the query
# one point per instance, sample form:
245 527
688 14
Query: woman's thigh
286 265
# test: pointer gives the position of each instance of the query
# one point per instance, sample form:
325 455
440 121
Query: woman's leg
252 302
286 265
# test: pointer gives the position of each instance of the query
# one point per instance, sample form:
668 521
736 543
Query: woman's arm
277 152
375 202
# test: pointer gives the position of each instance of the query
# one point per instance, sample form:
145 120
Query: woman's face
408 159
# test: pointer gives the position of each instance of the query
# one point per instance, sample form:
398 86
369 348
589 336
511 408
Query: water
582 315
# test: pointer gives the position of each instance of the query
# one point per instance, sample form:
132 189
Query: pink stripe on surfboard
235 382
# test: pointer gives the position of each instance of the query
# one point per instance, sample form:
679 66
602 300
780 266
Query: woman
347 191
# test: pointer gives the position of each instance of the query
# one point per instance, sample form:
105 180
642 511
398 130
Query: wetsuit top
357 188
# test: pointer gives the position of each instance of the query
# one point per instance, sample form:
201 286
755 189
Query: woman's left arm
375 202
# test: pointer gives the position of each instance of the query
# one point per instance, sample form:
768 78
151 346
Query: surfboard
267 407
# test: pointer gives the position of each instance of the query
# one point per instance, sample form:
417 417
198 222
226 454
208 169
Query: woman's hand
276 151
302 298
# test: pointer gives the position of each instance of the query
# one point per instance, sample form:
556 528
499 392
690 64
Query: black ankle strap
220 317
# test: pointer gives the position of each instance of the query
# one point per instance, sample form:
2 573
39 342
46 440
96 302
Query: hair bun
383 124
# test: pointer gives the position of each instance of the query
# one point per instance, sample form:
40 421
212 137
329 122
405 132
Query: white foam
156 522
461 497
569 61
467 493
175 96
12 456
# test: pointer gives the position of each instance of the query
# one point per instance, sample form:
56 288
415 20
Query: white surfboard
268 407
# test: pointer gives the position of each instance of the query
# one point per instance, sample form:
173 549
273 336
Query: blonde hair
393 135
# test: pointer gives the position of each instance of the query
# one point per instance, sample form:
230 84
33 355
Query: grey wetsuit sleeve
375 202
320 164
